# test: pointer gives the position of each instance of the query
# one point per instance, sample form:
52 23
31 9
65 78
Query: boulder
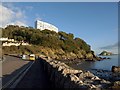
71 71
88 74
115 69
92 86
117 83
74 78
80 82
81 75
89 56
104 81
95 78
60 68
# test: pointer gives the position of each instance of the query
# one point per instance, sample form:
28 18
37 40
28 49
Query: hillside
59 45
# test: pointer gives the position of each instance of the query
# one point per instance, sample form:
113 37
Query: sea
105 64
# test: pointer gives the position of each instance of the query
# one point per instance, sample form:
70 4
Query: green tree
47 38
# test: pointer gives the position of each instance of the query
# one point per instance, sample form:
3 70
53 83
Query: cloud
114 46
19 23
11 15
6 14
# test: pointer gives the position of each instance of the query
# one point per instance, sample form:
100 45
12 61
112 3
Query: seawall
63 76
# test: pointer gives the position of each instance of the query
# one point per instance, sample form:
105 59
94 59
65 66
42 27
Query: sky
94 22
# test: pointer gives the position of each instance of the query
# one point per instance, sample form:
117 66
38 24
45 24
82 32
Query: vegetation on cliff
50 43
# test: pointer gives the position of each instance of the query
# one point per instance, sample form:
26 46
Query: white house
12 42
6 39
44 25
3 39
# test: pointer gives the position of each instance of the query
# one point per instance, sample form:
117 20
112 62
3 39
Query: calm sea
104 64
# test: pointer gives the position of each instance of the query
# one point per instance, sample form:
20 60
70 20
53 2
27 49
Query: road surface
11 66
35 78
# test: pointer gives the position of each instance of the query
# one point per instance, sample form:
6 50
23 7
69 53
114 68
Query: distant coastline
106 53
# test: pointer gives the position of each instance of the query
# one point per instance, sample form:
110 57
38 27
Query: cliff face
60 54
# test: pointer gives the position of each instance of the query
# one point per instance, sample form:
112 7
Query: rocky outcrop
105 53
63 76
116 85
62 55
115 69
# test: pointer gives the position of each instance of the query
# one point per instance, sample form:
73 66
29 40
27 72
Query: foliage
46 38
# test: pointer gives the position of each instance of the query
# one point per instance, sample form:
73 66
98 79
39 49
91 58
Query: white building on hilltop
44 25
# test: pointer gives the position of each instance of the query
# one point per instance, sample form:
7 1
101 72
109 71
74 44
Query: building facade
12 42
44 25
15 44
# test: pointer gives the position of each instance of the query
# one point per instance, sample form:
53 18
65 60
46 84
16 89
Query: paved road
11 67
35 78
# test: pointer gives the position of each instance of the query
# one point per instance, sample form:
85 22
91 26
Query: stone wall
63 76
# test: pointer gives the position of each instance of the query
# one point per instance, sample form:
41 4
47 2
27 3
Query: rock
64 76
108 58
89 56
90 74
60 68
92 86
76 71
95 78
80 82
104 58
81 75
87 81
104 81
71 71
105 53
117 83
115 69
74 78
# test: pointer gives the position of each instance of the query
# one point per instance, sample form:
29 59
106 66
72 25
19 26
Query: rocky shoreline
115 69
81 79
106 74
80 60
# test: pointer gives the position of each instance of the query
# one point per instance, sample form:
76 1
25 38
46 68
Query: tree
47 38
71 35
19 38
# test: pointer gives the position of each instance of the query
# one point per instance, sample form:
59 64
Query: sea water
105 64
